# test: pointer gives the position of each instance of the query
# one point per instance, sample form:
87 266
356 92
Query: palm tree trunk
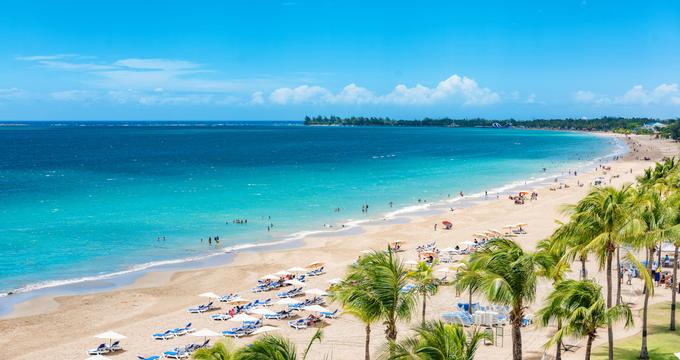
367 345
424 306
470 302
589 346
618 277
558 352
674 287
610 330
644 354
516 340
584 273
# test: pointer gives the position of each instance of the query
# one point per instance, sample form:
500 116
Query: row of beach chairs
185 352
172 333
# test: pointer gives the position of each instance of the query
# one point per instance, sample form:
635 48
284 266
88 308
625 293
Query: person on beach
435 226
209 241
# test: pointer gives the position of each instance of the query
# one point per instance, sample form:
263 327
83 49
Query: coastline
91 284
159 298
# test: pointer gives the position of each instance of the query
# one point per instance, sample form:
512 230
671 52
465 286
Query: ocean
81 200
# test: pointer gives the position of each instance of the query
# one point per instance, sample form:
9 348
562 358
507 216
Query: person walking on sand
209 241
435 226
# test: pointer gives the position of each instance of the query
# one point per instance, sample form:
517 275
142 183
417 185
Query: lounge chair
101 349
235 332
201 308
169 334
279 315
152 357
220 317
115 346
229 297
298 324
176 354
329 314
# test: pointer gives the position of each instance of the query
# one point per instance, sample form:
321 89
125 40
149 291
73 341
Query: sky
282 60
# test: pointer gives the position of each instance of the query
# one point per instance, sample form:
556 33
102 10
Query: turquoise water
82 199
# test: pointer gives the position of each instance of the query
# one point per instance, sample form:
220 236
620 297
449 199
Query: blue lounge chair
201 308
169 334
176 354
220 317
115 346
298 324
329 314
152 357
101 349
235 332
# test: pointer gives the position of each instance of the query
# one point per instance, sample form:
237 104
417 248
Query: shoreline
124 278
61 327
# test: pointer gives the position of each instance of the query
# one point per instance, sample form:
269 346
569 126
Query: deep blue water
83 199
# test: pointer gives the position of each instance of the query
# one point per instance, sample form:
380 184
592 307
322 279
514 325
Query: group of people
216 239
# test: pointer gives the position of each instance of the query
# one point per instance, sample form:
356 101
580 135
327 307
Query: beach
63 327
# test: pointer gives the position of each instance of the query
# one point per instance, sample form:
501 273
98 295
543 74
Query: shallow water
87 199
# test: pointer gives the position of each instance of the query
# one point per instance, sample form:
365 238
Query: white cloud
257 98
300 94
12 93
455 89
664 94
156 64
74 95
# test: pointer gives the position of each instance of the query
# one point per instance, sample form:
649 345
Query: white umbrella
444 270
366 251
411 262
210 295
265 329
315 264
456 265
449 249
287 301
97 357
239 301
243 318
282 273
397 242
315 308
205 333
262 311
270 277
318 292
297 269
335 281
110 335
295 282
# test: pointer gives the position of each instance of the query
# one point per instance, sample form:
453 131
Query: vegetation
613 124
436 340
425 283
662 342
582 309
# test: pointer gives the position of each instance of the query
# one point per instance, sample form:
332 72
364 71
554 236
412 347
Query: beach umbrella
265 329
410 262
480 235
282 273
397 242
287 301
335 281
469 243
315 308
270 277
294 282
315 264
317 292
366 251
521 224
238 301
97 357
297 269
456 265
262 311
210 295
243 318
509 227
110 335
205 333
444 270
449 249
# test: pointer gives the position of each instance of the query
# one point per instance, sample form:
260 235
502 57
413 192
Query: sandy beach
63 327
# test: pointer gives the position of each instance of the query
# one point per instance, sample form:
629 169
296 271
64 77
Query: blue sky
281 60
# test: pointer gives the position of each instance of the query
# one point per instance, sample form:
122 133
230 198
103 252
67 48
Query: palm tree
467 279
219 351
426 284
357 300
601 216
272 347
508 277
656 218
382 276
550 257
586 311
436 340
